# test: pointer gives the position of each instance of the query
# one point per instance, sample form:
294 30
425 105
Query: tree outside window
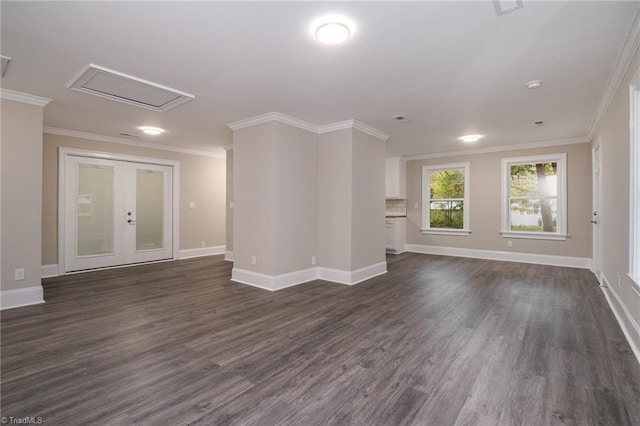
445 202
534 197
447 199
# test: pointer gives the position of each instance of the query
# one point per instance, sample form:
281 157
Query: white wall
298 196
253 200
335 191
615 152
21 196
368 201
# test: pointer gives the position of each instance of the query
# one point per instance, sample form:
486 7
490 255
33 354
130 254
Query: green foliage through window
533 197
446 190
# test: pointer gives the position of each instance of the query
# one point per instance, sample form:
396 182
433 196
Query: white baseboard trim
199 252
49 271
629 326
352 277
273 282
228 256
277 282
506 256
21 297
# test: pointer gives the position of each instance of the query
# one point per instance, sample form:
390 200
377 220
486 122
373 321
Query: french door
116 212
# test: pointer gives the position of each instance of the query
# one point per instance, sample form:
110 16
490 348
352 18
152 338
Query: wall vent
503 7
116 86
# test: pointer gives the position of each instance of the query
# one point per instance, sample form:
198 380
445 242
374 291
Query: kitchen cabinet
395 173
395 233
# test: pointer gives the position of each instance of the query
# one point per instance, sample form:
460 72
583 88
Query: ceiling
452 68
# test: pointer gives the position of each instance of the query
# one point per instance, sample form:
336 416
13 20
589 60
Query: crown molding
25 98
122 141
629 48
353 124
500 148
370 130
301 124
273 116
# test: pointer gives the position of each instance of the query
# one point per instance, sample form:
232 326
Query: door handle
594 222
131 221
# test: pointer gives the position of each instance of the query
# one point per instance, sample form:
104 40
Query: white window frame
426 200
634 182
561 230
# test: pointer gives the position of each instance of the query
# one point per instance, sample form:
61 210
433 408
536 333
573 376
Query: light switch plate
192 204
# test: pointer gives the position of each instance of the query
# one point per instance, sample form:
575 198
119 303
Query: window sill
534 235
459 232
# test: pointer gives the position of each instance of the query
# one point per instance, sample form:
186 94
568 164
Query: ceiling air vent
109 84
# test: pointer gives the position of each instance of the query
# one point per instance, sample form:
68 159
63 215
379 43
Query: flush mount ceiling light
470 138
534 84
155 131
332 32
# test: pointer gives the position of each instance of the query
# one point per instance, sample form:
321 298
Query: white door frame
596 206
62 163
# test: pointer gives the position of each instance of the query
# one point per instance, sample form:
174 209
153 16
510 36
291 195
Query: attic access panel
116 86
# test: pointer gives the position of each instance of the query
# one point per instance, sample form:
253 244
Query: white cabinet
395 232
395 172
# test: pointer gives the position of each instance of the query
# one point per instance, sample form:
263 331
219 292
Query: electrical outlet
19 274
253 260
509 243
415 205
618 281
313 260
202 244
231 205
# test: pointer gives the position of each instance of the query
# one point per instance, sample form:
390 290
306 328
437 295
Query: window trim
634 181
426 210
561 233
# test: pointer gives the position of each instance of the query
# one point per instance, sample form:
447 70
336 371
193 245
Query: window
445 199
534 197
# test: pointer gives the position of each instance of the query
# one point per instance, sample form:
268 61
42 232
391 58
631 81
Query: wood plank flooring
436 341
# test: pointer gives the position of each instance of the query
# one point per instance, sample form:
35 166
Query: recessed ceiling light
470 138
332 32
155 131
534 84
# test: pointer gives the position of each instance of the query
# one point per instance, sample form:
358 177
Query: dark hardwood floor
436 341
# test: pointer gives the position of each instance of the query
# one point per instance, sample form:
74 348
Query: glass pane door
149 209
95 210
116 213
150 215
93 198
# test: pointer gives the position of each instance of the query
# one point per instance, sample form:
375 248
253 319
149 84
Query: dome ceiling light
333 33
